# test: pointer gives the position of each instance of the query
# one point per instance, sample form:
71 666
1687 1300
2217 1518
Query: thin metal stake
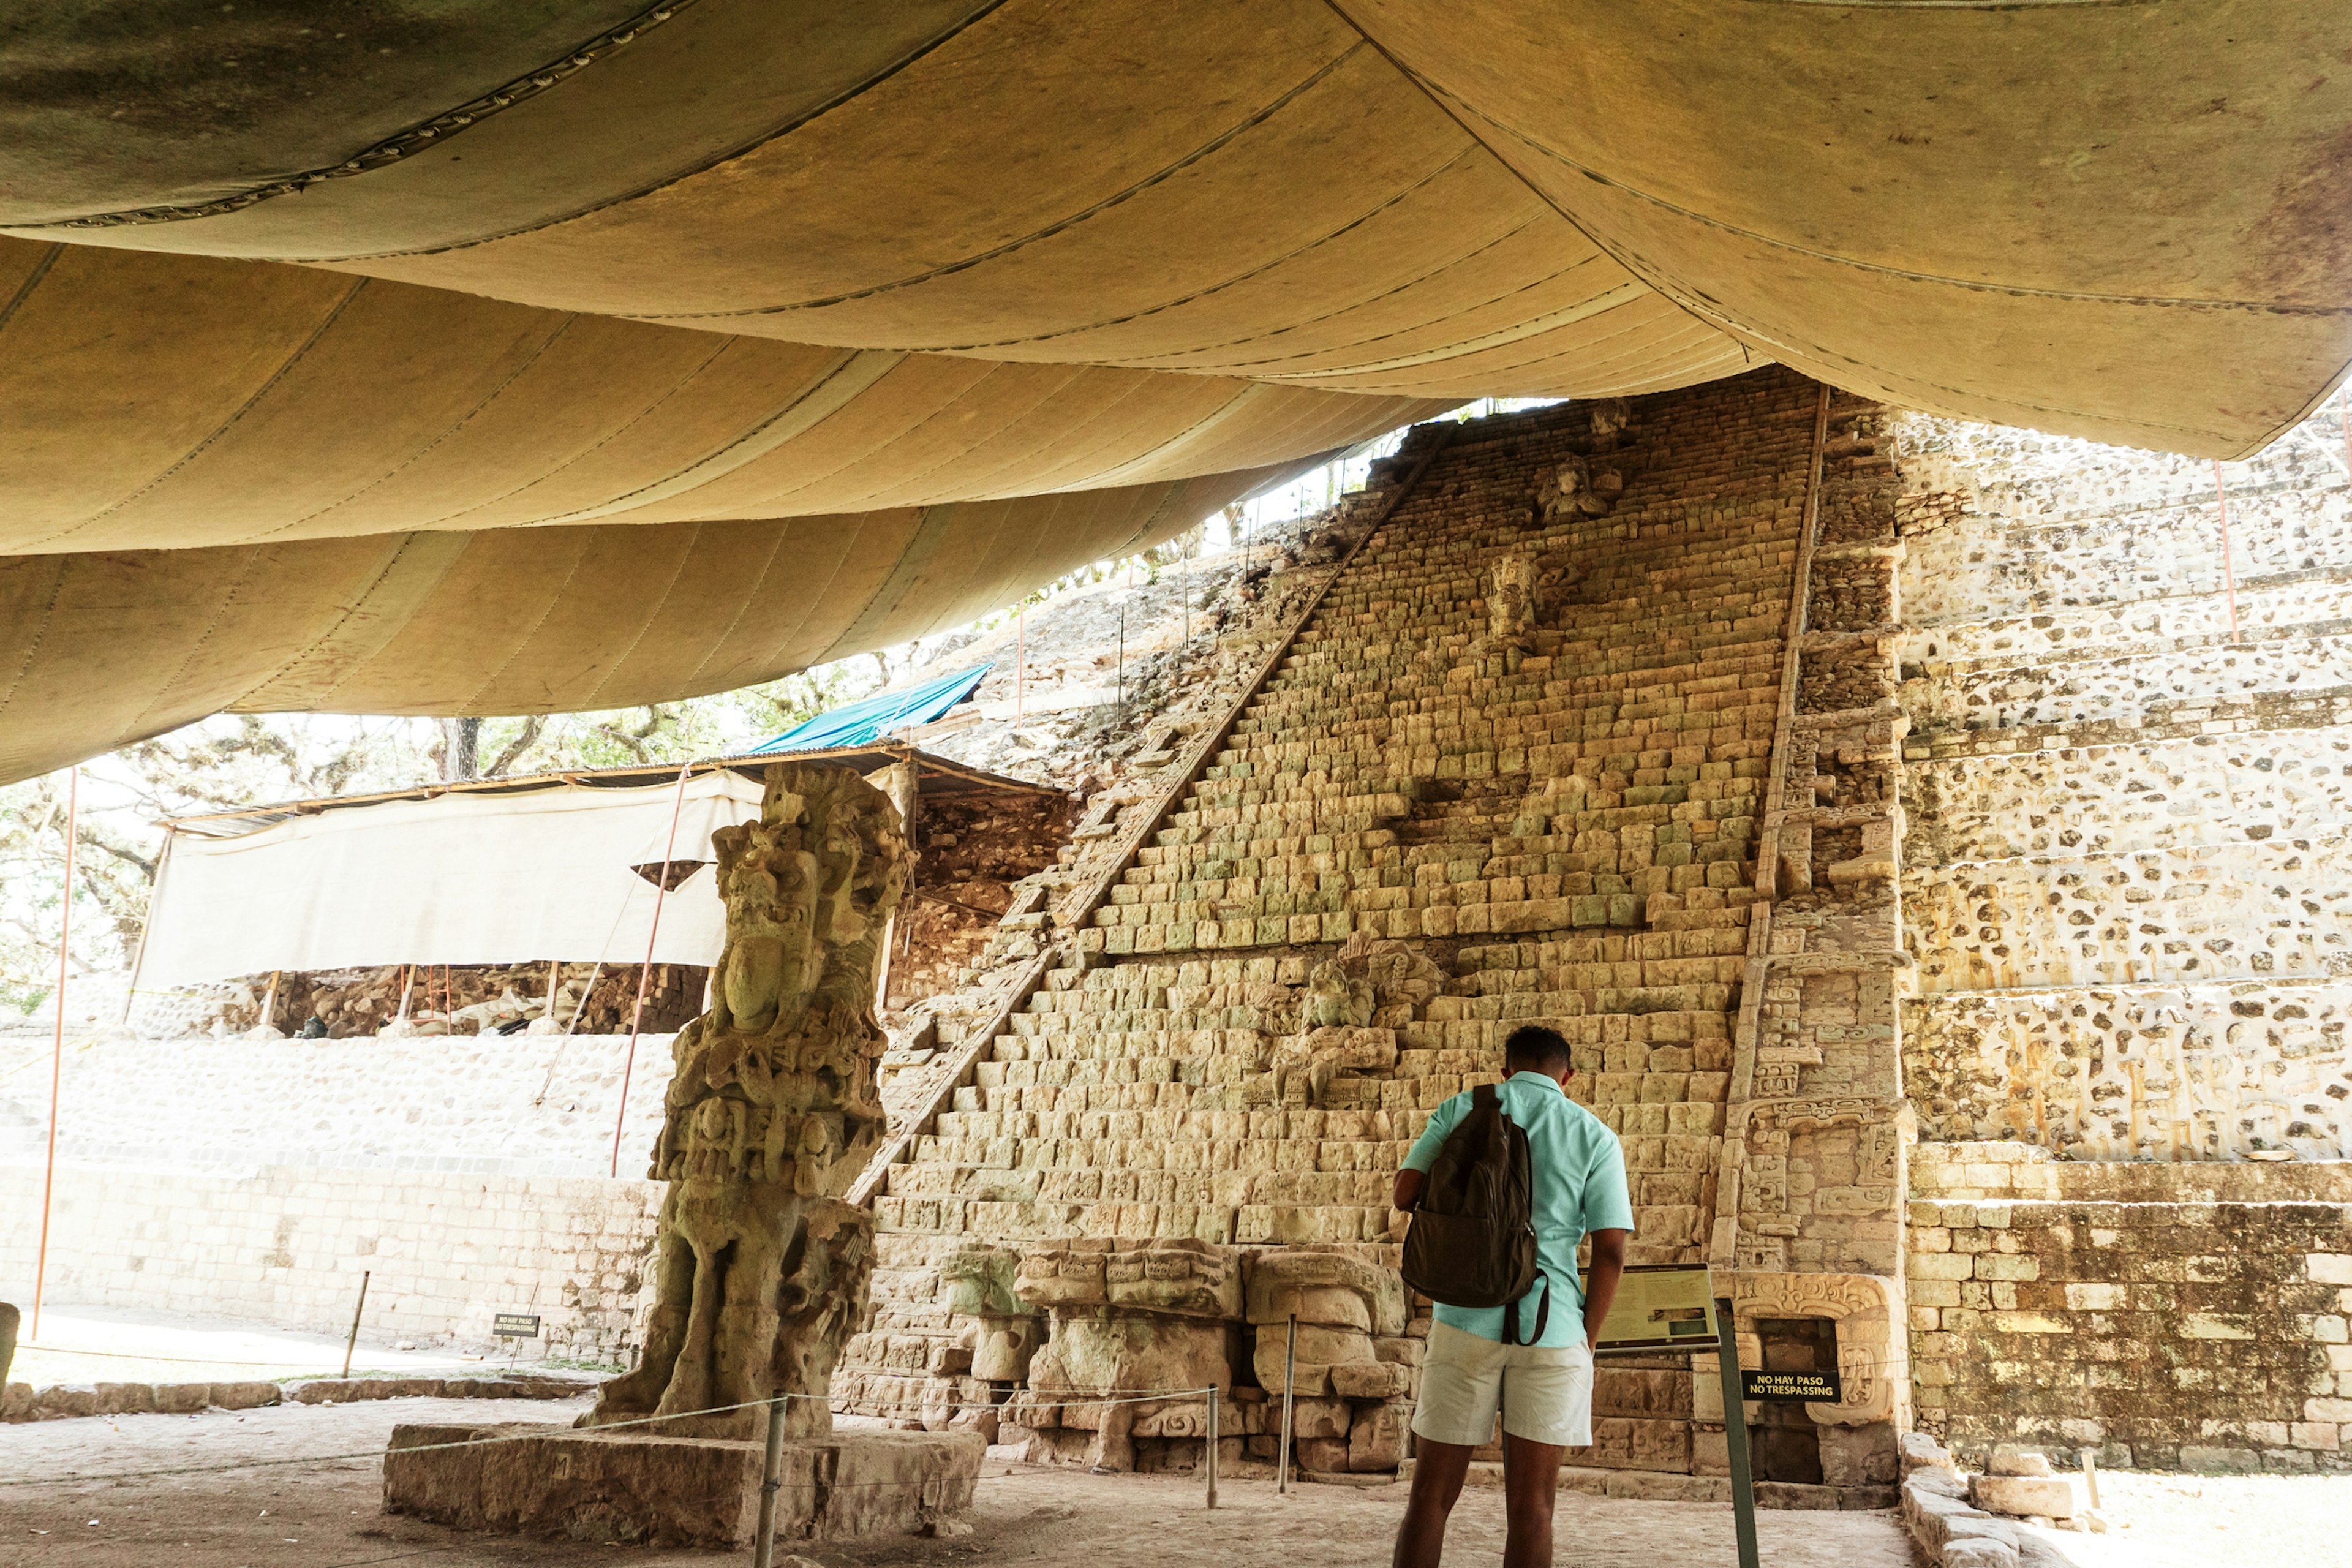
1289 1377
1735 1433
1211 1466
352 1343
763 1552
1122 661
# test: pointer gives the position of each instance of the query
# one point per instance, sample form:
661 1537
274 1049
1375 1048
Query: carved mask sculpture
761 1270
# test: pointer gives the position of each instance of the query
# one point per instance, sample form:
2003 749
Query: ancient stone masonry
2123 885
1812 1169
760 1268
441 999
2128 874
1513 769
972 852
2159 1316
1118 763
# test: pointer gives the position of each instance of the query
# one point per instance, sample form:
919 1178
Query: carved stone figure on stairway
761 1269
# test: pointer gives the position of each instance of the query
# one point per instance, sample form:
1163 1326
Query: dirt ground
2217 1522
106 1345
326 1513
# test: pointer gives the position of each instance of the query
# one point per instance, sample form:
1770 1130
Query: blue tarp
862 722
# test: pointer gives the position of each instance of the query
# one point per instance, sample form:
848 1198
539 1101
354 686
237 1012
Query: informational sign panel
1660 1307
1807 1387
515 1326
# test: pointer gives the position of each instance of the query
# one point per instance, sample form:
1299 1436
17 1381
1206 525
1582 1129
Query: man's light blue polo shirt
1580 1185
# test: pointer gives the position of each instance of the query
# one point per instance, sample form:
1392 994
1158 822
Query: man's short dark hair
1535 1048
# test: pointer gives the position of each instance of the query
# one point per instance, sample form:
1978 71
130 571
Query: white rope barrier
1121 1397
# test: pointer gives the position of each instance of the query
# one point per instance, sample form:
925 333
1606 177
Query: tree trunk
460 749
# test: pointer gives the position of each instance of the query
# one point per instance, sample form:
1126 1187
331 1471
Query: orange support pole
57 1053
644 975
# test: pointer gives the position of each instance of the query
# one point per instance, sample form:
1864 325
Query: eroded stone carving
1129 1318
1511 601
1344 1306
1578 488
1354 1003
772 1112
1874 1361
979 1280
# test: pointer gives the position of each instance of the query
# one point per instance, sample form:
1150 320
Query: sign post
1735 1433
1666 1309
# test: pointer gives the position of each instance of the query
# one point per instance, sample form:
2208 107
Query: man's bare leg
1530 1482
1438 1469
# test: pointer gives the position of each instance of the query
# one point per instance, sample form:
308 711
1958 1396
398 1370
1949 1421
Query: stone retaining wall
2172 1316
287 1247
2129 794
511 1105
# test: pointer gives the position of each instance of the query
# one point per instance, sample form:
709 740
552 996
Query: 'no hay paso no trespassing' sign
1810 1387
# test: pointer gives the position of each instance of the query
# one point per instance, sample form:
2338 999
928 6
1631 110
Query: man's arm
1424 1154
1601 1285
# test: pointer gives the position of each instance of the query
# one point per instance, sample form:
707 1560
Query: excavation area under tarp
328 1512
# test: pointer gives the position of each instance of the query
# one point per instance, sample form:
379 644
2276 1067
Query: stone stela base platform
585 1485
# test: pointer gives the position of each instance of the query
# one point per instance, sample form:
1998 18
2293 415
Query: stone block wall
287 1246
2122 890
1809 1238
2157 1316
2125 878
977 851
1512 770
255 1179
514 1105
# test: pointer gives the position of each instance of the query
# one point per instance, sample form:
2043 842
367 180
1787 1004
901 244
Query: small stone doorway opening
1783 1437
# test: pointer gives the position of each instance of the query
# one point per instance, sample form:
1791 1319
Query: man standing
1539 1376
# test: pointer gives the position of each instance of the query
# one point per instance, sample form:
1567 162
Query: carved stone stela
761 1269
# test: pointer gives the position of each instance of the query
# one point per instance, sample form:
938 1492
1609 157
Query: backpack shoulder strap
1543 1316
1484 1098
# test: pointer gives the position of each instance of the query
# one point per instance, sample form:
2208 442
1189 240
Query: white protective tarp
458 879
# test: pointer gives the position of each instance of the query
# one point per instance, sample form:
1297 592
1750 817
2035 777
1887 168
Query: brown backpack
1472 1242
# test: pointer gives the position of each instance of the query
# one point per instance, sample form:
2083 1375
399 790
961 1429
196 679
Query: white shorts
1544 1396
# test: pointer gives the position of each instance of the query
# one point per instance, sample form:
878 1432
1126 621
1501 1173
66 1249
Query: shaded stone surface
587 1485
762 1270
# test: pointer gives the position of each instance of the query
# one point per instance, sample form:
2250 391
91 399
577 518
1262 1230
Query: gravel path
326 1513
2217 1522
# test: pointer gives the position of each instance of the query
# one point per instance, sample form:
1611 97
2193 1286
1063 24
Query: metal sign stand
1289 1382
1735 1433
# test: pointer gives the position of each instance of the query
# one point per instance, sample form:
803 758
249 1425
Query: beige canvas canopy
497 872
483 267
464 877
